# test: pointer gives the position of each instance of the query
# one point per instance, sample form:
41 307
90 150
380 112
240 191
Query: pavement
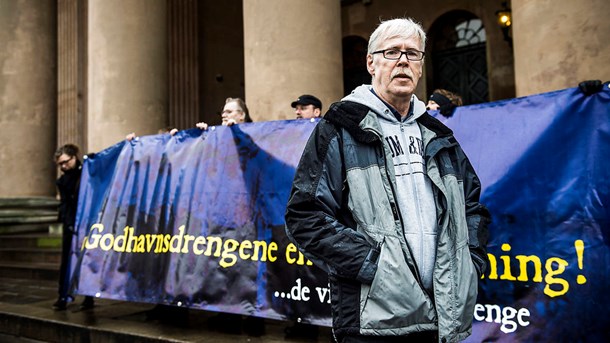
26 315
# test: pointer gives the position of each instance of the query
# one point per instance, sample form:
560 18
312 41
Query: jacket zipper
398 215
415 193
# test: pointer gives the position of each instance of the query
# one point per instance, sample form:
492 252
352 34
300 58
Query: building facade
90 71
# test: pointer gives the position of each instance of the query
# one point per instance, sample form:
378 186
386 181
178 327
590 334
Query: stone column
71 92
183 32
127 70
28 103
570 43
291 48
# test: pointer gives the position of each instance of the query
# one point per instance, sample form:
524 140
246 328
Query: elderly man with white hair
385 201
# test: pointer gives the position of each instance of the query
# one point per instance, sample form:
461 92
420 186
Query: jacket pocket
394 300
466 285
455 198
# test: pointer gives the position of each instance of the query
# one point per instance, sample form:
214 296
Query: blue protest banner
197 219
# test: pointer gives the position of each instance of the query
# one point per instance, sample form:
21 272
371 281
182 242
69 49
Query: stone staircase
30 238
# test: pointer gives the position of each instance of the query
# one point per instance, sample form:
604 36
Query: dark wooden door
463 70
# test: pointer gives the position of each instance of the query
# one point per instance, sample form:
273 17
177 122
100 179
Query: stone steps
30 243
24 319
29 255
30 270
27 214
74 326
35 240
34 256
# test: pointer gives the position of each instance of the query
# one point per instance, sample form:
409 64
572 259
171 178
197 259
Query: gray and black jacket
343 215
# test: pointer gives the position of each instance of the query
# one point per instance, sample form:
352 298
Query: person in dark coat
66 158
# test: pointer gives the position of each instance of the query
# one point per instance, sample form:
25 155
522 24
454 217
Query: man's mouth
402 76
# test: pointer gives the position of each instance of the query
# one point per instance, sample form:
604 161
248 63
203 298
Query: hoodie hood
363 95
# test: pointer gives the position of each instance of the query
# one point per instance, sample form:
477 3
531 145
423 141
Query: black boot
88 303
61 304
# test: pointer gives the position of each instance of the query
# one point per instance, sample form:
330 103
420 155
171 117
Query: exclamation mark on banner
579 245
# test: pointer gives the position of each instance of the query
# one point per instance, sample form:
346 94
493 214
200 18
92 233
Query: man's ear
369 64
316 112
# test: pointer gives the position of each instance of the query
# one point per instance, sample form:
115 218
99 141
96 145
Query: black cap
440 99
307 99
446 107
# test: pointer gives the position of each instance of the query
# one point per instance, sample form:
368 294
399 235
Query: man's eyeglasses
230 111
395 54
62 163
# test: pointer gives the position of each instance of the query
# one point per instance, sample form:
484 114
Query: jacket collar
356 119
350 116
434 125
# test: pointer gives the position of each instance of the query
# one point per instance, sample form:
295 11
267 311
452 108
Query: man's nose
403 59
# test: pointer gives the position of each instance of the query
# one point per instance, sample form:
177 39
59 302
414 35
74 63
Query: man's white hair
400 27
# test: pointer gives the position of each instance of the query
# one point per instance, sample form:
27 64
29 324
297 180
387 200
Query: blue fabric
542 160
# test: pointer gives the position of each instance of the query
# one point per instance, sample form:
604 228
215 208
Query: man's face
232 112
306 111
394 79
65 162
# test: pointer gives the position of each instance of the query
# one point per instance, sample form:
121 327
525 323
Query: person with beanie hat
444 101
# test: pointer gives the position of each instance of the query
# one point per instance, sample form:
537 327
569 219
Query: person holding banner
66 158
444 101
234 112
307 107
385 200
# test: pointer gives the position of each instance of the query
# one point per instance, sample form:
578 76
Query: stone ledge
29 202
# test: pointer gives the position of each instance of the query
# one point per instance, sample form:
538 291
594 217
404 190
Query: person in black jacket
66 158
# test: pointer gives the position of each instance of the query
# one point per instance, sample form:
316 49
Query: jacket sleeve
317 216
477 215
61 207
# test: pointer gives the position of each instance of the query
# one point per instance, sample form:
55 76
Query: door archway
354 63
457 47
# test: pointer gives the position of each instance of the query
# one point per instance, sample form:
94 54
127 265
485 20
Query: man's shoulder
342 112
348 115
